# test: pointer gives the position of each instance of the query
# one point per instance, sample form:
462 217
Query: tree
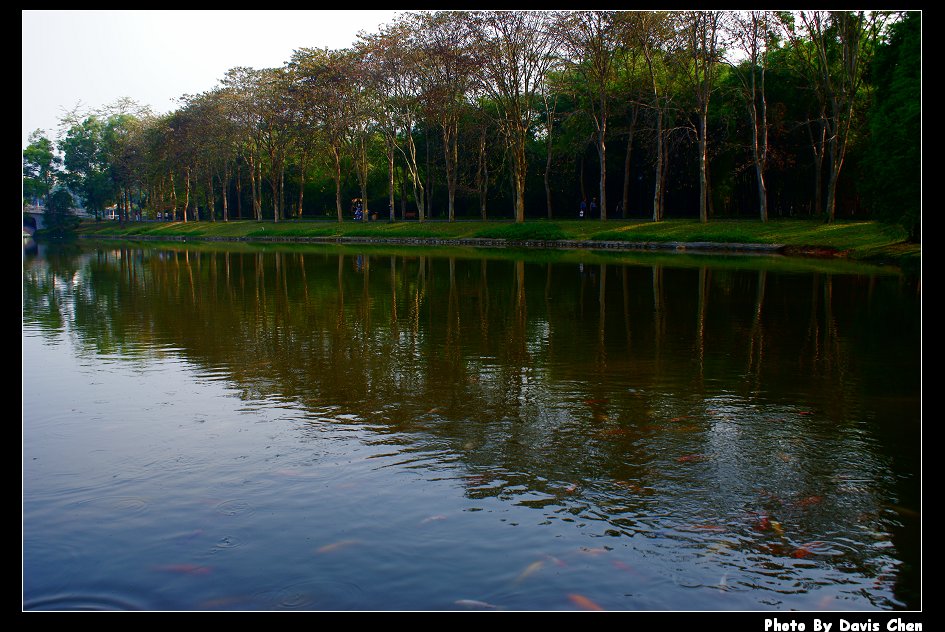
86 163
835 48
894 159
699 32
751 36
59 220
592 38
515 48
449 64
320 78
649 31
40 166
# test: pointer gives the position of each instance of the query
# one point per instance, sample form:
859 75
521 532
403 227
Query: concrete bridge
36 212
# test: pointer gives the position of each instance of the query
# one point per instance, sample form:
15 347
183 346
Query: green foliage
87 163
59 221
893 182
40 164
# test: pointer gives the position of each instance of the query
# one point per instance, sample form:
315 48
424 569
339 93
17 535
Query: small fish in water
185 569
623 566
784 456
334 546
570 489
432 410
806 550
594 552
583 602
532 568
433 518
691 458
555 561
805 412
777 528
681 418
475 605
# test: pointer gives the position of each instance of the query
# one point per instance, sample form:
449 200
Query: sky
93 58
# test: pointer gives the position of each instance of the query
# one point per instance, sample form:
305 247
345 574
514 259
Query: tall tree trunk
451 155
818 147
428 202
252 184
225 185
703 159
625 202
602 156
186 194
519 165
657 188
173 198
482 174
390 188
239 194
837 148
548 174
211 202
337 156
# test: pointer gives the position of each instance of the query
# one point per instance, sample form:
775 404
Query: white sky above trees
94 58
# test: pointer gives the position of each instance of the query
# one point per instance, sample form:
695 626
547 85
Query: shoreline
487 242
856 241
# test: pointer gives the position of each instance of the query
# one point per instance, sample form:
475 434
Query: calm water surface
321 428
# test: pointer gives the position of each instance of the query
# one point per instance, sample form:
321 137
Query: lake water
327 428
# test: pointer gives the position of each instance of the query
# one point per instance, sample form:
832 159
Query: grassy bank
857 240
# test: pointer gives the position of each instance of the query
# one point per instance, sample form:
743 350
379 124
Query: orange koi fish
806 550
691 458
583 602
534 567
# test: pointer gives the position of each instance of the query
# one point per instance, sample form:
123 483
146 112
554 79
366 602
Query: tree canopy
455 113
